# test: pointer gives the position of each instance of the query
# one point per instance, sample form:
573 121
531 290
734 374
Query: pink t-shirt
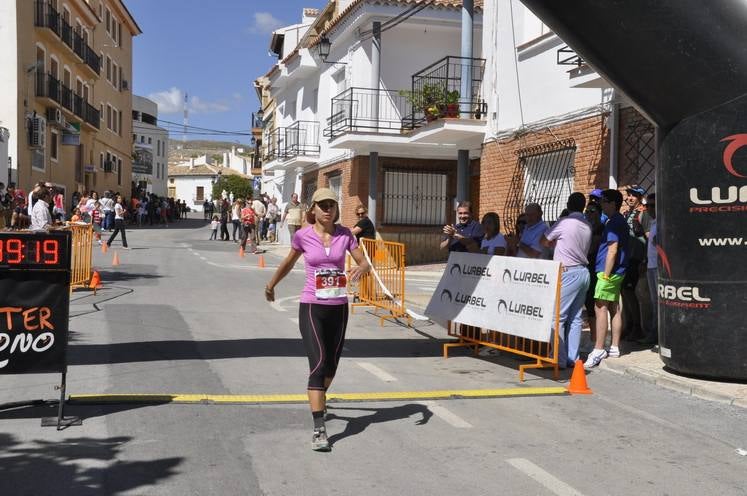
315 257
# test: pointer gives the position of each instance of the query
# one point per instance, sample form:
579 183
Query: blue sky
213 51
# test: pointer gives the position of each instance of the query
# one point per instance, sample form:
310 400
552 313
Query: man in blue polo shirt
530 245
465 233
611 264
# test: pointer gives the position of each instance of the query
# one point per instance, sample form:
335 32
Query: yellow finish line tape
302 398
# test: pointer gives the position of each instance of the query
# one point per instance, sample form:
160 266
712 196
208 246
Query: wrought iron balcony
47 16
568 56
367 110
437 91
47 86
299 139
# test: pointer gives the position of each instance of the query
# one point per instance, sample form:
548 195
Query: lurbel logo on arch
526 277
683 296
520 309
676 295
725 198
469 270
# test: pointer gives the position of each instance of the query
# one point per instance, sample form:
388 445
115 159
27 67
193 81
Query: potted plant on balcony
452 104
430 99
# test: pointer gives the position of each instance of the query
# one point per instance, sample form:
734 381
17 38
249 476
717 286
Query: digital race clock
34 250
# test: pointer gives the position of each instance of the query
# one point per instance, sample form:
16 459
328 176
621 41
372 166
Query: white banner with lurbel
514 296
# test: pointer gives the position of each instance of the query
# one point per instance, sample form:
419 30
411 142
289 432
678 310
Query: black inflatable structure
684 63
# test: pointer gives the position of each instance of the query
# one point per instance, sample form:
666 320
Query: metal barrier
387 261
545 354
82 243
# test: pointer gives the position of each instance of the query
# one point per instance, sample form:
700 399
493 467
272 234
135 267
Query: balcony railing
437 91
367 109
46 16
47 86
568 56
299 139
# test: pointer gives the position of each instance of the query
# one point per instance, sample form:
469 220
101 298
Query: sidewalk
647 366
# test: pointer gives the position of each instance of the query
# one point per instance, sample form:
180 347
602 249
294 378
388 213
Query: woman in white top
493 243
119 223
236 221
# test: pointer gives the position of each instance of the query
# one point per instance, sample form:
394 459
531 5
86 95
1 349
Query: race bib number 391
330 283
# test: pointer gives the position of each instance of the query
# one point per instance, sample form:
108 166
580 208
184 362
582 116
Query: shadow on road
146 351
63 466
356 425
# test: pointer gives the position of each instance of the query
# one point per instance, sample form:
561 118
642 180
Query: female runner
323 312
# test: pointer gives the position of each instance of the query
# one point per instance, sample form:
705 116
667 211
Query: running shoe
614 352
595 358
319 441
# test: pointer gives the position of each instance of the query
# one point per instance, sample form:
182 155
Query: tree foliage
241 187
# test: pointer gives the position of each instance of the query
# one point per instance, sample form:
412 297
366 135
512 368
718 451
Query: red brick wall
499 165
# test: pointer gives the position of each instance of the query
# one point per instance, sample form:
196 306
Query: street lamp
325 47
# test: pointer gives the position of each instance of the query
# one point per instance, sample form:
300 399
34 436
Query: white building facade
150 145
328 116
192 181
555 126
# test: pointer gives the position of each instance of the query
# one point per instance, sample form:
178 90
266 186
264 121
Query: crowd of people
46 206
258 220
605 243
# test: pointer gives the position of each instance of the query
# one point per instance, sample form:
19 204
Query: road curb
673 384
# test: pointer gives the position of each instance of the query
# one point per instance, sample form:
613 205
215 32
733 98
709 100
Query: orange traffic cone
241 252
104 248
115 259
95 281
578 380
261 262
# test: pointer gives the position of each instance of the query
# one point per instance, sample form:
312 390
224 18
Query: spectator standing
107 207
611 263
249 225
40 216
224 206
594 217
466 234
205 210
259 210
364 228
271 217
5 204
96 218
571 238
493 243
293 215
58 211
529 242
595 197
236 220
649 227
632 329
214 225
119 223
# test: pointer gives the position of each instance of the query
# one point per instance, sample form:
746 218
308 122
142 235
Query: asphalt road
182 314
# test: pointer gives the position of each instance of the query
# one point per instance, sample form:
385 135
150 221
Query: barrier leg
459 344
61 421
539 365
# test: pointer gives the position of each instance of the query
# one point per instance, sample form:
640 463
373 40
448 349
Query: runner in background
323 311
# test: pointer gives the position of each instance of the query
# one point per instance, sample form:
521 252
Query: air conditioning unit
55 117
38 134
125 84
108 165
